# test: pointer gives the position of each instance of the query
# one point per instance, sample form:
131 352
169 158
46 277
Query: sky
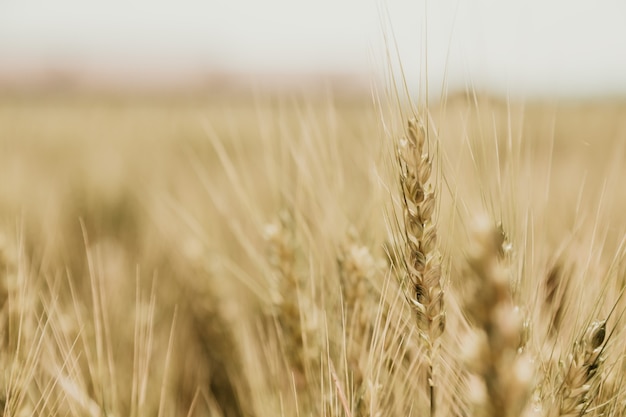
575 47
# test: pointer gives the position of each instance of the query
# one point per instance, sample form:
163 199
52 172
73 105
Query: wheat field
300 255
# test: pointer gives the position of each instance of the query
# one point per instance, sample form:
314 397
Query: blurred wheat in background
307 249
276 256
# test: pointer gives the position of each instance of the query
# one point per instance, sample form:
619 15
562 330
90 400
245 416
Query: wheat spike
580 384
500 377
422 259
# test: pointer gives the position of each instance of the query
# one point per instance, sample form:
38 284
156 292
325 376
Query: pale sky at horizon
548 47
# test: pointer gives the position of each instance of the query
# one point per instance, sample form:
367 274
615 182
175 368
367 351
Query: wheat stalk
500 376
580 383
422 260
357 271
281 251
298 316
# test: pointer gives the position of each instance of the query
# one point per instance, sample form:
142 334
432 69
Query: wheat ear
500 377
556 288
281 252
421 257
580 383
296 312
358 269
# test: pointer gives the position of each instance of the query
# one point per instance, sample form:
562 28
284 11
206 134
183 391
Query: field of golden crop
311 256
